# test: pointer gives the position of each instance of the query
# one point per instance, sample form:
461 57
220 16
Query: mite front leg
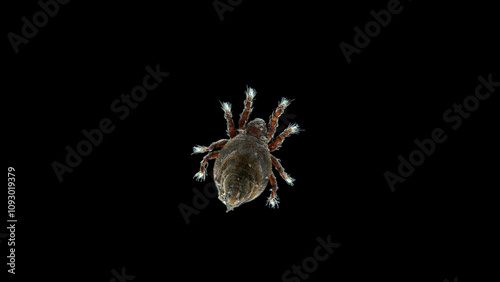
281 170
273 200
273 119
276 144
250 93
231 132
200 175
202 149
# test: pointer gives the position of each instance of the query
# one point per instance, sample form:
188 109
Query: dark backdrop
118 212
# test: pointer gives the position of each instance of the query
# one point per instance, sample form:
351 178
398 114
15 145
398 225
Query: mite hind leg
273 199
200 175
281 170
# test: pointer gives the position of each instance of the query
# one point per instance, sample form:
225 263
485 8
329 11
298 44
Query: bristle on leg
284 103
202 149
273 201
247 110
226 107
278 141
200 176
289 180
199 149
250 93
277 164
294 128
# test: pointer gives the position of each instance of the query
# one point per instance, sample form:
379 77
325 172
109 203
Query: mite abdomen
240 170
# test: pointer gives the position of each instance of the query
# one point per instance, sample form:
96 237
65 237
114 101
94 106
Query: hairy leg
273 199
202 149
291 129
273 119
250 95
226 107
200 175
281 170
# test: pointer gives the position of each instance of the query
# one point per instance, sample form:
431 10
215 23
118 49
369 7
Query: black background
120 206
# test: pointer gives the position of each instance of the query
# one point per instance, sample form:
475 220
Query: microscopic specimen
243 165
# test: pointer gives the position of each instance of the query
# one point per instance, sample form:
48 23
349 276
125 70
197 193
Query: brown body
242 170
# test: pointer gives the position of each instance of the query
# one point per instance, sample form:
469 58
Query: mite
243 165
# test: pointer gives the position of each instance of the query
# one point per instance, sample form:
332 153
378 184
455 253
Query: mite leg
226 107
273 199
202 149
281 170
273 119
276 144
250 93
200 175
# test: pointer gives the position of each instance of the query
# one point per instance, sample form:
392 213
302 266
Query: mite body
242 170
243 166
